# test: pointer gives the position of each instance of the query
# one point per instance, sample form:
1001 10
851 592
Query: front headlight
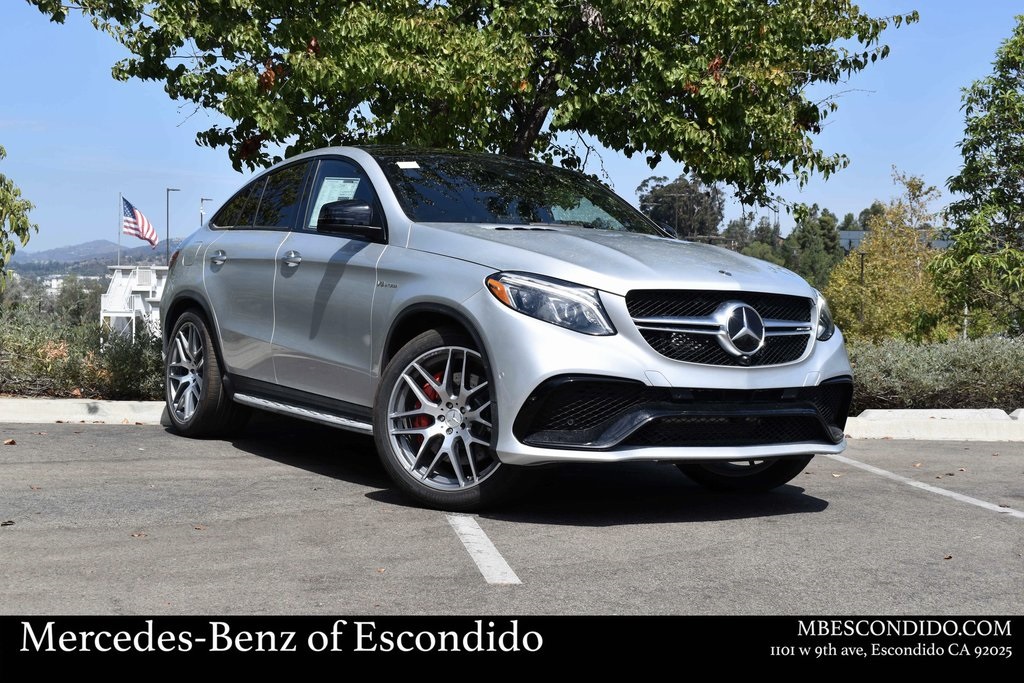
826 326
553 301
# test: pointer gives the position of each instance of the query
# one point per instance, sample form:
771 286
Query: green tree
686 204
849 223
983 274
983 269
993 147
19 290
78 302
876 210
885 289
767 244
766 231
738 233
15 226
813 248
718 85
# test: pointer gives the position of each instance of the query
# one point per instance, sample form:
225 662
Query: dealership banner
83 643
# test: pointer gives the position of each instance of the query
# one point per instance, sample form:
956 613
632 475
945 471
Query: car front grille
588 404
712 430
680 324
601 414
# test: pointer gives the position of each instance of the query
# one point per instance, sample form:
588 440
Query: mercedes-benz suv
479 314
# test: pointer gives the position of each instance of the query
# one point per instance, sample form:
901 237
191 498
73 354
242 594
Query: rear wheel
746 476
435 421
197 404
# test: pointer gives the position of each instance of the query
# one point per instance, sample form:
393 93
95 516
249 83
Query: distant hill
88 258
95 249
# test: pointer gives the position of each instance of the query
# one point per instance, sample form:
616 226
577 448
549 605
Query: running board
304 413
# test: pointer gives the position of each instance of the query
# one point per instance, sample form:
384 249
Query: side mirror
349 217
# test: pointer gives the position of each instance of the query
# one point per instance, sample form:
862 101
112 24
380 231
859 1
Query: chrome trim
305 413
669 324
785 330
716 325
687 330
671 320
751 327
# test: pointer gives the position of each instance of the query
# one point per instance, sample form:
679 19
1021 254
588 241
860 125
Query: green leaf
709 84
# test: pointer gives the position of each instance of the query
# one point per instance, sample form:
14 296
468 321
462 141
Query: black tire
197 404
745 476
434 424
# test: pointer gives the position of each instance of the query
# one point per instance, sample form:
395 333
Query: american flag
134 223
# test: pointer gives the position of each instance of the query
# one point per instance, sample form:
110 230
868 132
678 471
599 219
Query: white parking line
928 487
488 560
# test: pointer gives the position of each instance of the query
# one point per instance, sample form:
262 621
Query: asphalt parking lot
293 518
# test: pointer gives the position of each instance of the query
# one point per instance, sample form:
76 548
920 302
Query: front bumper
601 414
649 407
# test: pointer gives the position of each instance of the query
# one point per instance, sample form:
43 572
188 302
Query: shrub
43 355
976 373
131 368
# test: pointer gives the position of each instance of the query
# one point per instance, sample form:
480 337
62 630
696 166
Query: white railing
133 299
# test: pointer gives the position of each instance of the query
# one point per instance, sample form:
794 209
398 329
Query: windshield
440 187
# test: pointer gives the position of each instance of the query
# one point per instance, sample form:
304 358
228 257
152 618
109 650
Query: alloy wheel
439 419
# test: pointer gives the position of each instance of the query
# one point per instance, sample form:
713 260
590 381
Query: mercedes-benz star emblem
742 330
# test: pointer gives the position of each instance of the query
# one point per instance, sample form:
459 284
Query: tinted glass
338 180
241 210
465 188
281 197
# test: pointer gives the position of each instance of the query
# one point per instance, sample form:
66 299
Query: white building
53 284
133 299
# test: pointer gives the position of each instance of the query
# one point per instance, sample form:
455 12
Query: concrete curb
922 425
938 425
42 410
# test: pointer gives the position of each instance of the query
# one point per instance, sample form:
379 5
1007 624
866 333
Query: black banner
516 643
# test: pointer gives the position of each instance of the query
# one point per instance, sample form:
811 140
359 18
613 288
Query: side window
281 197
241 209
338 180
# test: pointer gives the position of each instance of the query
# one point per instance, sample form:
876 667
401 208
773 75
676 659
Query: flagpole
120 223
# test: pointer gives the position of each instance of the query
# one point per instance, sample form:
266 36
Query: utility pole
675 207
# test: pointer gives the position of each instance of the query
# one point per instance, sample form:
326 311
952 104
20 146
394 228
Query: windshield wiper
571 224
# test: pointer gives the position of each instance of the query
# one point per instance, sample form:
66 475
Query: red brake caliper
424 421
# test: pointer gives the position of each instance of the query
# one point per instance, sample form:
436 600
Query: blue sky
75 137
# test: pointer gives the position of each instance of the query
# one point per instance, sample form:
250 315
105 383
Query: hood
614 262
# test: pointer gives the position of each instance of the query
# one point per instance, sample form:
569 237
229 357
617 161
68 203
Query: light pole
202 214
167 205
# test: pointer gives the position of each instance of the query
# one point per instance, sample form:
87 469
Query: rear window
281 197
240 211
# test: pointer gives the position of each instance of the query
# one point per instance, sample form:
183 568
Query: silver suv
479 314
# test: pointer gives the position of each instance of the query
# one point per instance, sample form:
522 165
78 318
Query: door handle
292 259
218 257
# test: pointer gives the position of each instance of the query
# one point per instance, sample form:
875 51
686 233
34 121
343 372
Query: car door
323 294
239 264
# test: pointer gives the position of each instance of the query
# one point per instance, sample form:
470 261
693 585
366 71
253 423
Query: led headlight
826 326
553 301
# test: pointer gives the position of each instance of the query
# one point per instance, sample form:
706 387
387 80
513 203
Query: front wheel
435 420
747 476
